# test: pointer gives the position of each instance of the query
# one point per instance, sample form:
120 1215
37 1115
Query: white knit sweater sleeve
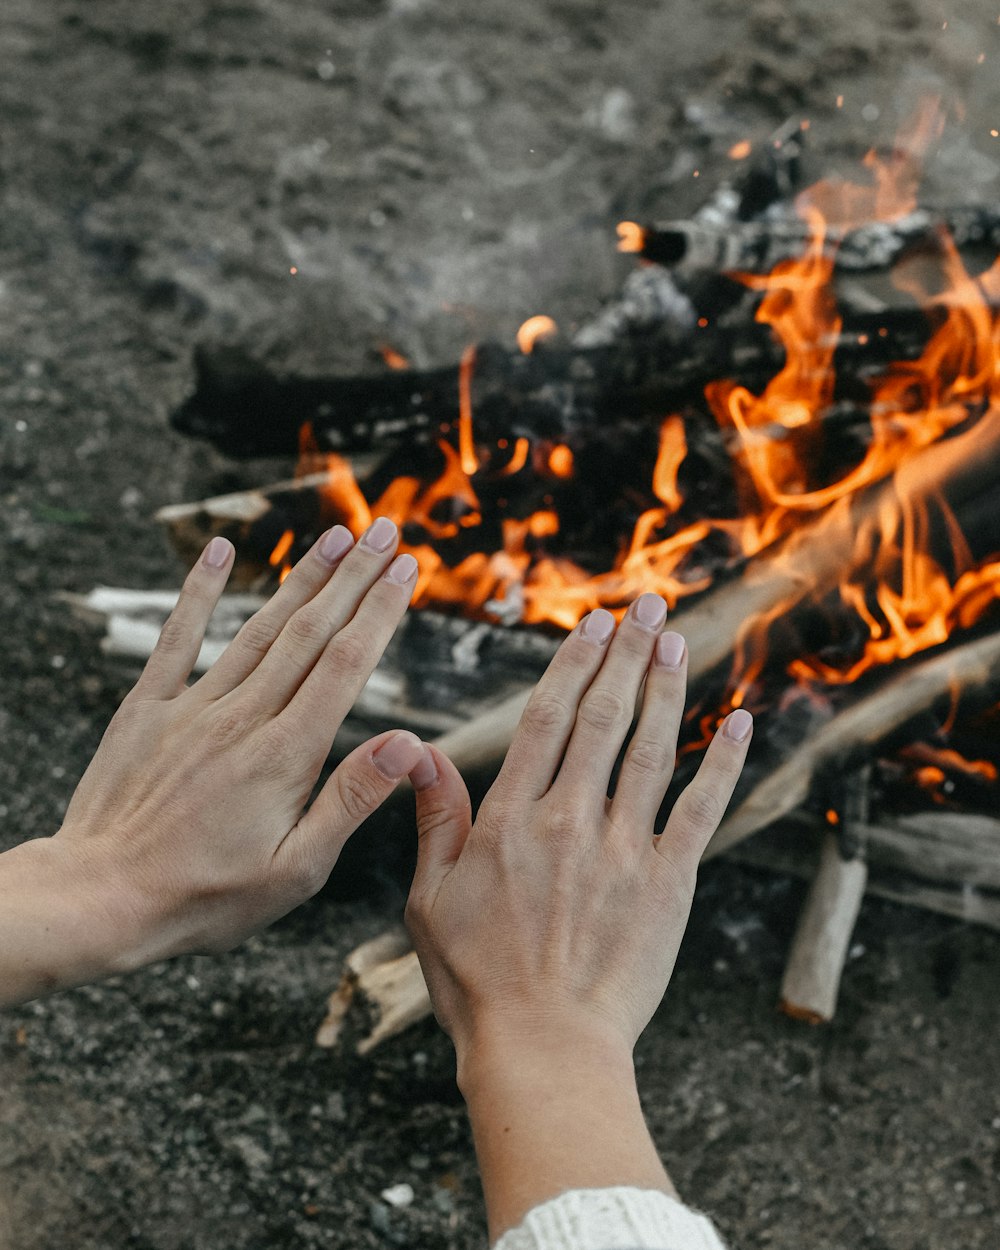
612 1219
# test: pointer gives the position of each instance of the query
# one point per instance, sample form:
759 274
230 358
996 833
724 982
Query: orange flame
904 599
466 443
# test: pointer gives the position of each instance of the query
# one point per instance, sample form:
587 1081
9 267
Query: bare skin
188 832
548 929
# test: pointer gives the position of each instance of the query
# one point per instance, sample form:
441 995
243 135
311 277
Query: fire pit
805 471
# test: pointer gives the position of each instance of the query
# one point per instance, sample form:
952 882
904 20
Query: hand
548 930
187 832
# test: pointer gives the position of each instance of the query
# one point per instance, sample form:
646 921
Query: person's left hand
188 830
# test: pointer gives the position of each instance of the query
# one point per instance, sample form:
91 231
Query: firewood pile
803 463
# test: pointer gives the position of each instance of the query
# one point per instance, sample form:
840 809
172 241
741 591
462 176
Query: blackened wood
562 394
757 246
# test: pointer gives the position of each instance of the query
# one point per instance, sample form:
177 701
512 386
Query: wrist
61 922
502 1051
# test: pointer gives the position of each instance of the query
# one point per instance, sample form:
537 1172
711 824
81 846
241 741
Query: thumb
444 818
360 784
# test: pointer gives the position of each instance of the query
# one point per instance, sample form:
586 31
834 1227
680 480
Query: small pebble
400 1195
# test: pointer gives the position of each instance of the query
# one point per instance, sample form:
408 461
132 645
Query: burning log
562 394
810 562
757 246
858 729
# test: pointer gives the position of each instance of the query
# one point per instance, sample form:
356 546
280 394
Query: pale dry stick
816 957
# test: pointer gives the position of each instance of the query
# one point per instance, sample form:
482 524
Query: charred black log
564 395
757 246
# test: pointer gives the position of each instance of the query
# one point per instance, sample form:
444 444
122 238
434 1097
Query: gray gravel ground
435 172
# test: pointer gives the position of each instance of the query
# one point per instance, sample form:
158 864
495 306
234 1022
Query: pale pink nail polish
669 650
650 611
380 535
425 774
335 544
398 755
738 725
216 554
402 570
598 626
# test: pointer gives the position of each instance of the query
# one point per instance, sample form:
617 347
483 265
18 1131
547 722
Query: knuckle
563 824
649 758
351 652
259 634
701 809
545 713
359 794
175 634
305 874
306 629
228 729
604 710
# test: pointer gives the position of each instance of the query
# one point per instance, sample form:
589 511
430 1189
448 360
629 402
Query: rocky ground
435 172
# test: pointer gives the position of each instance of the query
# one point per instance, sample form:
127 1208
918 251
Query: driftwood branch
383 987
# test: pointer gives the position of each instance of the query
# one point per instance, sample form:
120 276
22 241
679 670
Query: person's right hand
548 930
560 907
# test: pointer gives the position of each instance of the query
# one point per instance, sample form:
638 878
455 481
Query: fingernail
398 755
402 570
598 626
650 611
425 774
669 650
738 724
380 535
335 543
216 554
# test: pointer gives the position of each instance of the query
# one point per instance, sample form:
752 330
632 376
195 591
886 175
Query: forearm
56 930
555 1117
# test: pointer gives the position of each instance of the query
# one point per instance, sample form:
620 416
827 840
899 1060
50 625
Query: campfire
806 471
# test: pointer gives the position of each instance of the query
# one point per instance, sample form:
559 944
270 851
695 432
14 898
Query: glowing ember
394 359
533 331
740 151
631 237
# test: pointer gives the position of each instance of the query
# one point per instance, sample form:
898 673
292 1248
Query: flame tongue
500 508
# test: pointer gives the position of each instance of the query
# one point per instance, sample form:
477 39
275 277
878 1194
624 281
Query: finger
547 721
329 690
607 709
259 633
649 760
304 638
444 821
357 787
170 664
700 809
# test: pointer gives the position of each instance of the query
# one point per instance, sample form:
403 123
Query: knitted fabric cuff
612 1219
